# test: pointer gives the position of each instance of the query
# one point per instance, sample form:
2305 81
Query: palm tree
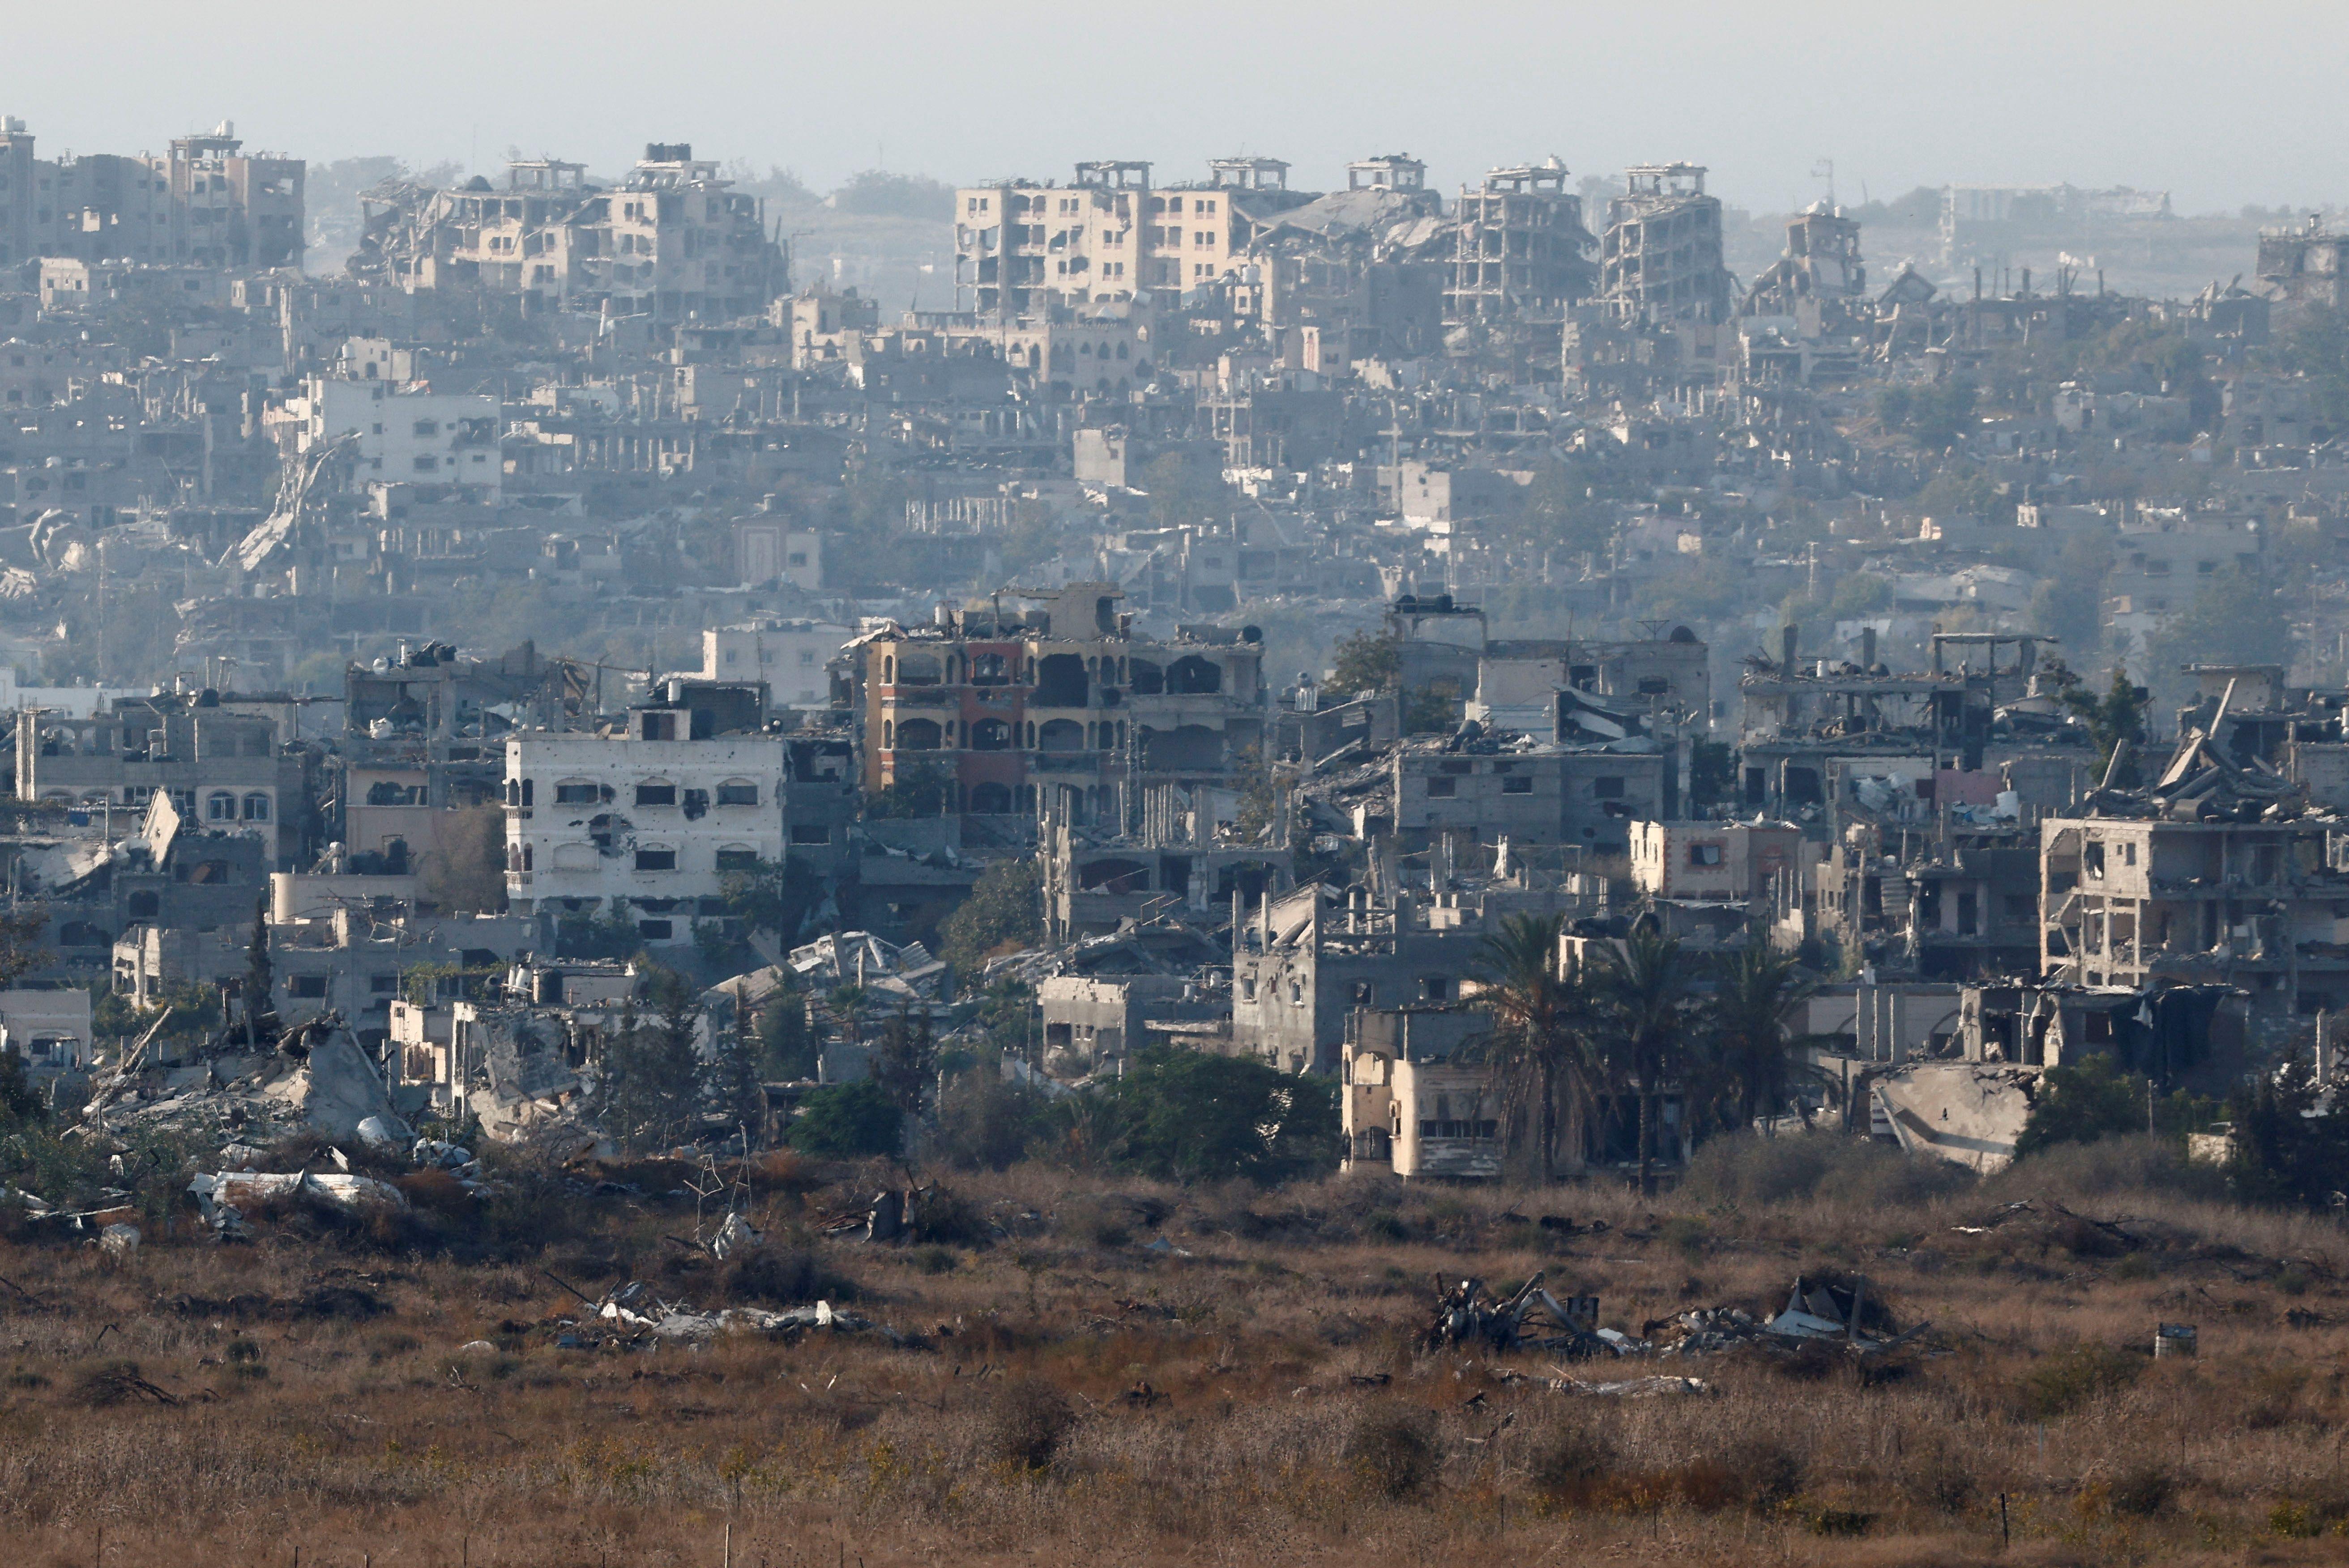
1762 991
1541 1044
1647 1011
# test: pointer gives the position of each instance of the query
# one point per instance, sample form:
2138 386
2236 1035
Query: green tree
1184 493
2081 1103
655 1073
775 896
1187 1116
2116 719
259 981
2284 1153
1005 911
881 194
1712 773
1541 1045
787 1047
904 1060
735 1088
2237 618
1365 661
21 952
20 1104
987 1122
1760 993
921 788
848 1121
1647 1007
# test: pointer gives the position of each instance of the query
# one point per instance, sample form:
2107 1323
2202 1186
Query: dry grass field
1105 1371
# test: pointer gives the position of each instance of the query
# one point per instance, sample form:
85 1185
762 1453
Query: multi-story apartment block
207 203
400 436
671 242
993 705
650 822
1520 248
220 768
793 657
2225 899
1021 247
1661 258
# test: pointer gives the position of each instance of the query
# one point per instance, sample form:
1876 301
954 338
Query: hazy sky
2220 104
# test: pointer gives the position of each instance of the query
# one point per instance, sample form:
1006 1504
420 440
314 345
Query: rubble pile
1532 1318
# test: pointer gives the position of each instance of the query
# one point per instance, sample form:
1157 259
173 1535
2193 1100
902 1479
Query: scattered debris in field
1631 1387
1468 1312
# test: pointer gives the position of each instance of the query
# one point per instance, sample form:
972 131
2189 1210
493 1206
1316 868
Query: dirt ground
1097 1369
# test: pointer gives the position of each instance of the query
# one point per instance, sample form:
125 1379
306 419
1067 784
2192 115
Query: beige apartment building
1020 247
206 203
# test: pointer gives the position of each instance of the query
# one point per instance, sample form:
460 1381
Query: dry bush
2143 1490
1029 1424
2074 1377
780 1276
1572 1459
1393 1451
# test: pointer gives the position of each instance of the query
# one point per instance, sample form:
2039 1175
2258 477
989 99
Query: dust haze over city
792 784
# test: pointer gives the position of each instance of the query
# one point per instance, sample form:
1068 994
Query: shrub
847 1121
2080 1104
1392 1450
780 1277
2143 1488
1748 1170
1186 1116
2076 1378
1029 1424
985 1123
1774 1475
1571 1460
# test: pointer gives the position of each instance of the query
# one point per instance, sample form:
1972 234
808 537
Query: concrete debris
1632 1387
631 1317
1971 1113
735 1236
887 973
1468 1312
118 1240
384 1131
434 1153
223 1199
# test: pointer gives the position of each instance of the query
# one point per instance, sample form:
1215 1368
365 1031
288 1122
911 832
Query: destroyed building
206 203
998 708
644 824
670 242
1660 257
1519 249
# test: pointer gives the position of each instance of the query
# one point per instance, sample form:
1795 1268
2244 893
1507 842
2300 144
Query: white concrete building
411 437
791 657
645 825
50 1029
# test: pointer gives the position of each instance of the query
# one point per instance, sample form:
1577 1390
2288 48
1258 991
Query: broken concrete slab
1971 1113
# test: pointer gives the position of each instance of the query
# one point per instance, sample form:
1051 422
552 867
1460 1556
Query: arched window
527 857
256 806
1061 735
918 735
991 799
220 807
990 735
737 792
576 792
655 793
